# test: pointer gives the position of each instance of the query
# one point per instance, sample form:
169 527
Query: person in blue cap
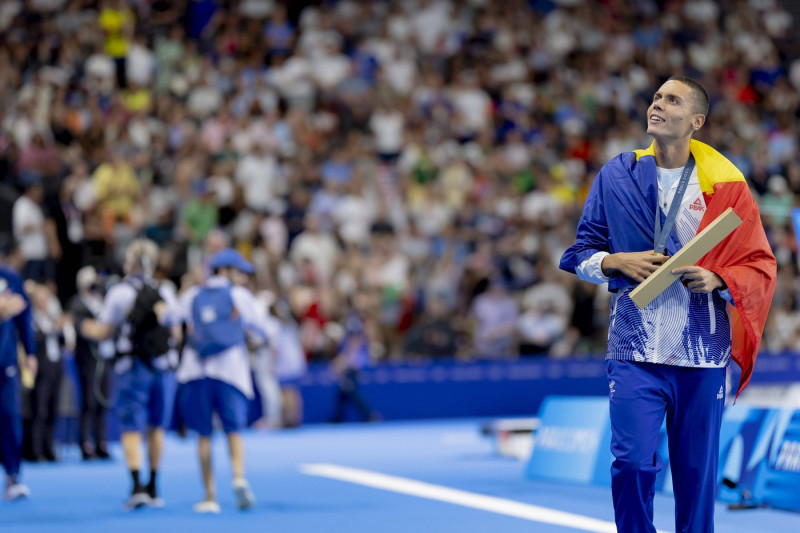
215 367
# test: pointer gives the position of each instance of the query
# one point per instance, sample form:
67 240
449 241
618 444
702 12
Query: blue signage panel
777 480
568 443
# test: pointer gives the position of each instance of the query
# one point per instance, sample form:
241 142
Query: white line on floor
492 504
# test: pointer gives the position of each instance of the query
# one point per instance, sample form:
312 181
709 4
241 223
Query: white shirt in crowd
140 65
259 175
387 127
320 248
28 222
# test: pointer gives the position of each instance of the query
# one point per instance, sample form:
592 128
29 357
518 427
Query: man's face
671 115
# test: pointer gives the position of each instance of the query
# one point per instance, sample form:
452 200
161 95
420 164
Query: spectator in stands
200 214
35 233
315 248
117 21
259 175
495 314
38 160
116 190
434 335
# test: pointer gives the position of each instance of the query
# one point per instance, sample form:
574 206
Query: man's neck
672 154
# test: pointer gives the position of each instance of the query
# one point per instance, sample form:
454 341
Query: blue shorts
201 398
145 397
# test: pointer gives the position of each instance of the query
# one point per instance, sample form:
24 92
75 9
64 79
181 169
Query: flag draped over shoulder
619 217
744 260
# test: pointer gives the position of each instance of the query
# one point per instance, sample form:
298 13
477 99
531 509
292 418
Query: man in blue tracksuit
668 360
15 326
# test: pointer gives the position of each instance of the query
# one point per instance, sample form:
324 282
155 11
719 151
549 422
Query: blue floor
76 497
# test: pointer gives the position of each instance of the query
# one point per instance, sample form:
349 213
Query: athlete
669 359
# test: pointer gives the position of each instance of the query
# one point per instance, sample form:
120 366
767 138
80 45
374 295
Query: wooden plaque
691 253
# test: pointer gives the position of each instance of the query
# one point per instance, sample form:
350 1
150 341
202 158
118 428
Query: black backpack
149 339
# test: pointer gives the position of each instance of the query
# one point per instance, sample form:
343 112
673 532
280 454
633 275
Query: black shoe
102 453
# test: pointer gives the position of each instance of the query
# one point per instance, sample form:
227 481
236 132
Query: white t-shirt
140 65
259 176
387 127
28 222
320 248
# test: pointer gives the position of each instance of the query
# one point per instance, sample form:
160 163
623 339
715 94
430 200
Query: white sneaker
137 500
16 491
244 496
156 503
206 507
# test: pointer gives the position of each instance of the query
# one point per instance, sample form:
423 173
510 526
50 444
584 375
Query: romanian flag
744 260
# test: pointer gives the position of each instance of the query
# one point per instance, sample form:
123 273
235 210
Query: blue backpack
217 325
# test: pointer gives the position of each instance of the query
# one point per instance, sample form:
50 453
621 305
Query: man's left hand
698 279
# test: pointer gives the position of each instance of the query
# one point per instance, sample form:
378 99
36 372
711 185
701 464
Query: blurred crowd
421 161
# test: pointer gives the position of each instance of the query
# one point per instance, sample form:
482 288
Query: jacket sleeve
592 235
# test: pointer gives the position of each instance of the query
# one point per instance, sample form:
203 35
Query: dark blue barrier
444 389
773 368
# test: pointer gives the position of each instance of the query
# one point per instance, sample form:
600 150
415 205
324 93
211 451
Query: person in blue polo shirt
15 325
215 367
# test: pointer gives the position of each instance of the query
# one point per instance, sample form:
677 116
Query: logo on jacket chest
697 205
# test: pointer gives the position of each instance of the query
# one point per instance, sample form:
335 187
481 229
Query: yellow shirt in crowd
116 188
114 22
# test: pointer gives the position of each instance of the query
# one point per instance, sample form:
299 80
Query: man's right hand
635 265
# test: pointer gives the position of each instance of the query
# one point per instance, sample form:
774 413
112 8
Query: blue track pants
692 399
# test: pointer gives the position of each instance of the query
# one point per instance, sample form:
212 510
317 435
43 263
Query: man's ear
698 121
